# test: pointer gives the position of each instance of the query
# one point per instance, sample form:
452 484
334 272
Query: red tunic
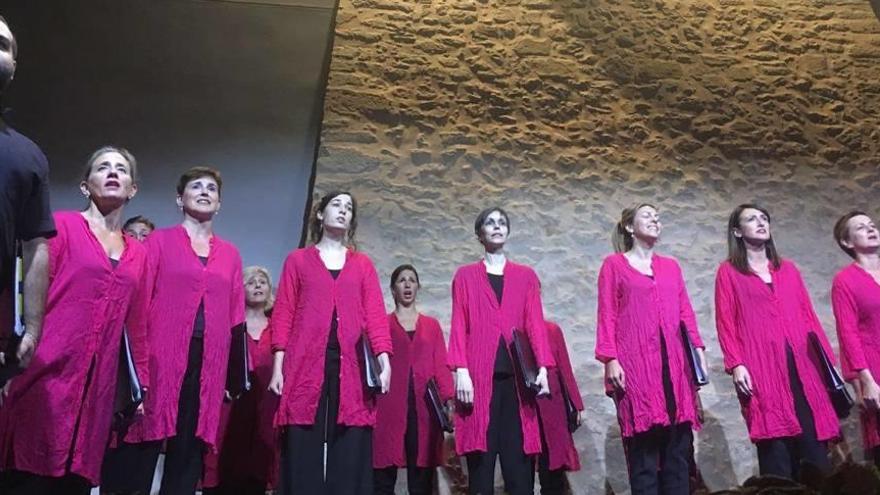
754 325
477 323
58 414
247 448
307 295
179 281
560 446
425 356
634 313
855 296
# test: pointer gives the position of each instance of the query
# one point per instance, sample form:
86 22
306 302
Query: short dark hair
841 231
197 173
736 248
400 269
316 225
481 219
138 219
13 41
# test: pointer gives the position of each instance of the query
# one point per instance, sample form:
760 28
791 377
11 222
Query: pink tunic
179 281
634 314
755 323
58 414
554 417
855 296
478 321
307 294
425 356
247 448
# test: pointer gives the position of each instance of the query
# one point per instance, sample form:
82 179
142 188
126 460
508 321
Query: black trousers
504 439
783 456
349 453
129 468
24 483
419 480
659 459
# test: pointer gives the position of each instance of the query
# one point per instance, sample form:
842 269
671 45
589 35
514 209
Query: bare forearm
36 284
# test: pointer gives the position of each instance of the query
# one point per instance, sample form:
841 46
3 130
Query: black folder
571 412
129 394
371 366
524 359
238 379
697 372
435 404
840 398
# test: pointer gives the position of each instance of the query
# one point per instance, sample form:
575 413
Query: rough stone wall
566 111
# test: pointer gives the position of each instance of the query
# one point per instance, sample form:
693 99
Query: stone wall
566 111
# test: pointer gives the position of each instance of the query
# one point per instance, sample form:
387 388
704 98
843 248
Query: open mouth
112 184
203 201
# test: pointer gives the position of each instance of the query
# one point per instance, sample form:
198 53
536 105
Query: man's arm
35 254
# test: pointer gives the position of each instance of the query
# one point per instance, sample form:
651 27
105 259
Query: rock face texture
566 111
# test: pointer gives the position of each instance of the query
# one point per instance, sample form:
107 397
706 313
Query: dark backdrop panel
237 86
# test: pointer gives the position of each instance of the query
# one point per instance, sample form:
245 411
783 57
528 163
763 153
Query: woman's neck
111 219
495 259
869 261
255 312
331 241
200 229
641 250
406 311
756 254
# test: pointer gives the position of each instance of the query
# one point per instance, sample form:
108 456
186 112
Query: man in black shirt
25 219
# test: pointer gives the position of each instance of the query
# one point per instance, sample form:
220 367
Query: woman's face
256 290
405 288
495 230
754 226
338 213
110 180
862 235
646 224
139 230
200 198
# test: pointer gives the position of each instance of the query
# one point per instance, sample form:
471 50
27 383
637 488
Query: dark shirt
497 282
199 324
503 364
24 208
333 340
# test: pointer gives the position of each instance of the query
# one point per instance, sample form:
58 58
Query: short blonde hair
254 270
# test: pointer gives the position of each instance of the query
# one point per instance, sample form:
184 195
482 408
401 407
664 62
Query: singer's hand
542 381
464 387
385 374
615 376
742 381
26 349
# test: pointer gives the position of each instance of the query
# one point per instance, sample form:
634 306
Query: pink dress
755 323
247 447
560 445
57 418
478 321
855 296
425 357
636 315
307 294
178 281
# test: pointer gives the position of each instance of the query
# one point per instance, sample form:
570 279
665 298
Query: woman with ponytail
643 305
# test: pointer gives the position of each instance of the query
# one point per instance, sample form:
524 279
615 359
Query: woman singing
246 460
407 434
329 302
496 414
855 295
55 417
643 305
196 299
764 317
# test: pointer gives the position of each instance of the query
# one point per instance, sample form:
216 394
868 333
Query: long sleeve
285 305
441 372
725 309
846 315
606 343
137 319
374 310
687 313
457 355
812 320
564 364
536 327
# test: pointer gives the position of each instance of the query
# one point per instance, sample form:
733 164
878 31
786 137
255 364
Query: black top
199 324
24 206
113 263
333 340
497 282
411 334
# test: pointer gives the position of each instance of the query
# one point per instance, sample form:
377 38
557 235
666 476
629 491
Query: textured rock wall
565 111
